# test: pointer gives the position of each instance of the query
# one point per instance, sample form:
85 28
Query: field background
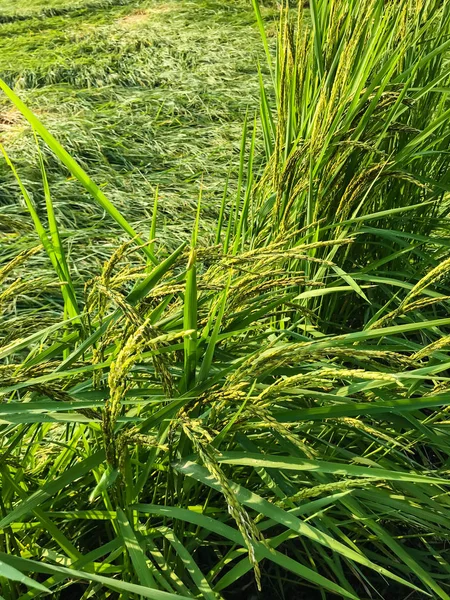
142 94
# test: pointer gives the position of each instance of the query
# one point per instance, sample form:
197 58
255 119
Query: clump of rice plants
360 128
248 416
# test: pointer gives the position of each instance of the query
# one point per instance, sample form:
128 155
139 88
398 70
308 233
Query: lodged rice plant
263 415
144 95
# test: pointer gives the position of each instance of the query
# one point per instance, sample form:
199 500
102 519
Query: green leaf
320 466
135 551
14 575
106 481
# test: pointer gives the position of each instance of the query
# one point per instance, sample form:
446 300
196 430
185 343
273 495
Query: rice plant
267 414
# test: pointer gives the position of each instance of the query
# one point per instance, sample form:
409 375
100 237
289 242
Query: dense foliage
268 412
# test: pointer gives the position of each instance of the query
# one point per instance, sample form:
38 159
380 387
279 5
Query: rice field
224 294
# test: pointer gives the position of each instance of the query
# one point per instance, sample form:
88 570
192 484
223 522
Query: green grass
262 409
